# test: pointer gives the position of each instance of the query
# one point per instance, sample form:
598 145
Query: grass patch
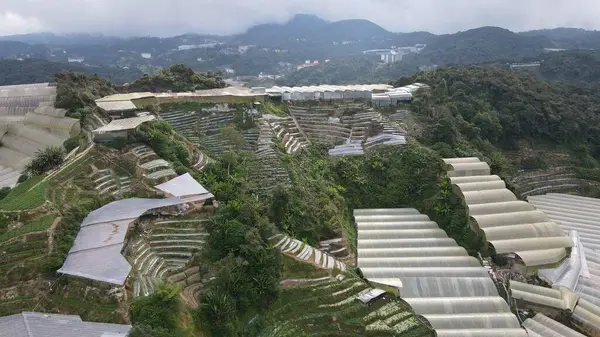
38 225
295 269
27 195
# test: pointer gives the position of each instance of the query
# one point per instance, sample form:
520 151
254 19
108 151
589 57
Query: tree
45 160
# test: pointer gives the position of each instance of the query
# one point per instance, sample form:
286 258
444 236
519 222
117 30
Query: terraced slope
305 252
555 180
330 308
153 167
164 248
320 124
205 131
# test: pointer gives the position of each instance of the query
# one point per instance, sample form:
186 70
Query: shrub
534 162
45 160
71 143
22 178
4 192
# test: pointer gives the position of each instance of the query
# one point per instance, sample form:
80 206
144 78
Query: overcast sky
173 17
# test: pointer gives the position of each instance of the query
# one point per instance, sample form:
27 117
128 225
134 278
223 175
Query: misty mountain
568 38
482 45
312 29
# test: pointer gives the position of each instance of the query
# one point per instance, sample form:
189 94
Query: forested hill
472 47
506 108
38 71
578 68
177 78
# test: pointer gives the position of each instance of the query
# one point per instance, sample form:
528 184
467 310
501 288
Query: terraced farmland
330 308
306 253
163 249
555 180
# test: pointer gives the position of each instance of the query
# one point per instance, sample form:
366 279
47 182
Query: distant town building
146 55
76 59
525 65
391 57
307 63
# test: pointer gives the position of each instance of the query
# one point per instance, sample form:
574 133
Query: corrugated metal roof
96 253
452 291
124 124
528 233
33 324
125 97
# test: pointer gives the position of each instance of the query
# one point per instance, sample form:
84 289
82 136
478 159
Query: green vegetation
38 225
157 315
77 92
246 269
27 195
167 144
177 78
45 160
330 308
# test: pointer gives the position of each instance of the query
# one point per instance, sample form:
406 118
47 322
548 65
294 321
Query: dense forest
177 78
39 71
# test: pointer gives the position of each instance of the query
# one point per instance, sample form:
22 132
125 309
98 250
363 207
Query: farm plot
165 248
27 195
330 308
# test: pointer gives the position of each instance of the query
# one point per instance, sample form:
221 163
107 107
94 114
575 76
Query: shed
370 295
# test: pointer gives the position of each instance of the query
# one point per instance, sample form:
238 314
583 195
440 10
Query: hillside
37 71
274 253
176 78
568 38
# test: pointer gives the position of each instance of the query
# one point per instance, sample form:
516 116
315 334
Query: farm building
327 92
121 104
97 251
217 96
28 123
119 128
36 324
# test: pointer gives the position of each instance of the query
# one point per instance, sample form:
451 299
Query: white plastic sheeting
184 185
509 225
370 295
34 324
543 326
580 217
450 289
124 124
562 298
96 253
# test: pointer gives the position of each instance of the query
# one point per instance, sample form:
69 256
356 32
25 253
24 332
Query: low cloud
167 18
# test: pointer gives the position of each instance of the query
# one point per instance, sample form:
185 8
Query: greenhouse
37 324
577 216
436 277
508 225
96 253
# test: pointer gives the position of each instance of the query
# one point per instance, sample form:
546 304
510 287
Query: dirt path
187 295
51 231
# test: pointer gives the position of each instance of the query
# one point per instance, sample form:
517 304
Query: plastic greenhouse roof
543 326
581 272
96 252
509 225
183 185
33 324
445 285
